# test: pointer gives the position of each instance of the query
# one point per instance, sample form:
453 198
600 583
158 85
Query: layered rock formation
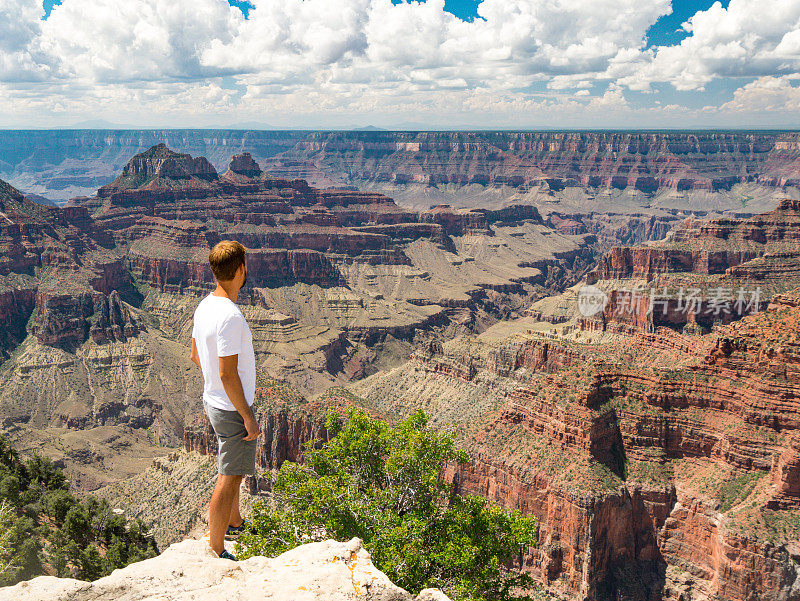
703 272
660 466
352 263
61 164
97 297
159 167
641 161
322 571
59 267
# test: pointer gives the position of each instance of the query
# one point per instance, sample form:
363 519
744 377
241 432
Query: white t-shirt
220 330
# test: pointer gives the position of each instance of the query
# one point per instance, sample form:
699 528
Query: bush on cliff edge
382 484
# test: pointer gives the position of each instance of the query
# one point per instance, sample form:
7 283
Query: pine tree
91 567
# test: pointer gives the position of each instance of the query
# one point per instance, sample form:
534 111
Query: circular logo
591 300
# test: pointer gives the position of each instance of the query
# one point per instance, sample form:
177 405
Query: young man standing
222 346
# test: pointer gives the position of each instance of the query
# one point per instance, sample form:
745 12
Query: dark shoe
234 531
226 555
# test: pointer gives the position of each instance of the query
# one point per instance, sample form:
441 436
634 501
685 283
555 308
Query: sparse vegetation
737 489
649 472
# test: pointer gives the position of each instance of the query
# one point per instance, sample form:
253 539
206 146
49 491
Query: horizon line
376 130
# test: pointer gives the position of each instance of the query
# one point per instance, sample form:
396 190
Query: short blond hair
225 258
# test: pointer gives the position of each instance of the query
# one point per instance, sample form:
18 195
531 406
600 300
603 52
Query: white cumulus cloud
749 38
330 57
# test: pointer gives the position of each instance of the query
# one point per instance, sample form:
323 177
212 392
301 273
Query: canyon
97 296
659 449
659 465
62 164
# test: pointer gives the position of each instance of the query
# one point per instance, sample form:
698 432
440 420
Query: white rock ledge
189 570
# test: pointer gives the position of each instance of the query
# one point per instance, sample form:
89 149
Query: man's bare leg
225 491
236 517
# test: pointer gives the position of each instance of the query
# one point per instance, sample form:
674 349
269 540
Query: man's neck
228 290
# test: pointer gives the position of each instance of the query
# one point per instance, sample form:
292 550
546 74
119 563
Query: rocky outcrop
711 561
455 222
73 318
704 272
113 320
785 474
160 166
243 164
533 355
320 571
431 358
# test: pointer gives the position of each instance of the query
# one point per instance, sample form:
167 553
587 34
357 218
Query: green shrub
42 470
90 564
76 525
42 523
10 488
382 484
116 556
57 504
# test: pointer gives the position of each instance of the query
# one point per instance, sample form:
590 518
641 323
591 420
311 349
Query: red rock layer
722 564
704 272
786 477
709 247
59 267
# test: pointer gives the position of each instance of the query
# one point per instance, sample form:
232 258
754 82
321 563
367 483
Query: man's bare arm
229 374
194 356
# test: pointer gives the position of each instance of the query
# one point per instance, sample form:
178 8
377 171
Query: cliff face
703 272
710 247
641 161
661 466
644 162
60 269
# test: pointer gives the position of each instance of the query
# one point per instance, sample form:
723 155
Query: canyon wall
704 272
641 161
44 162
662 466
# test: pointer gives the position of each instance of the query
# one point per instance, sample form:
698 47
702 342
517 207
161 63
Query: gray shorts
237 457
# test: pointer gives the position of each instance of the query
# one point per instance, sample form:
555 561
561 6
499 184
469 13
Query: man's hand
253 429
229 374
195 357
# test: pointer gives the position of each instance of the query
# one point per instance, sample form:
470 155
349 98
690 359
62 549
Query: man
222 346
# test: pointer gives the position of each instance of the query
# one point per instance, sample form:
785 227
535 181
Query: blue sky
393 63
